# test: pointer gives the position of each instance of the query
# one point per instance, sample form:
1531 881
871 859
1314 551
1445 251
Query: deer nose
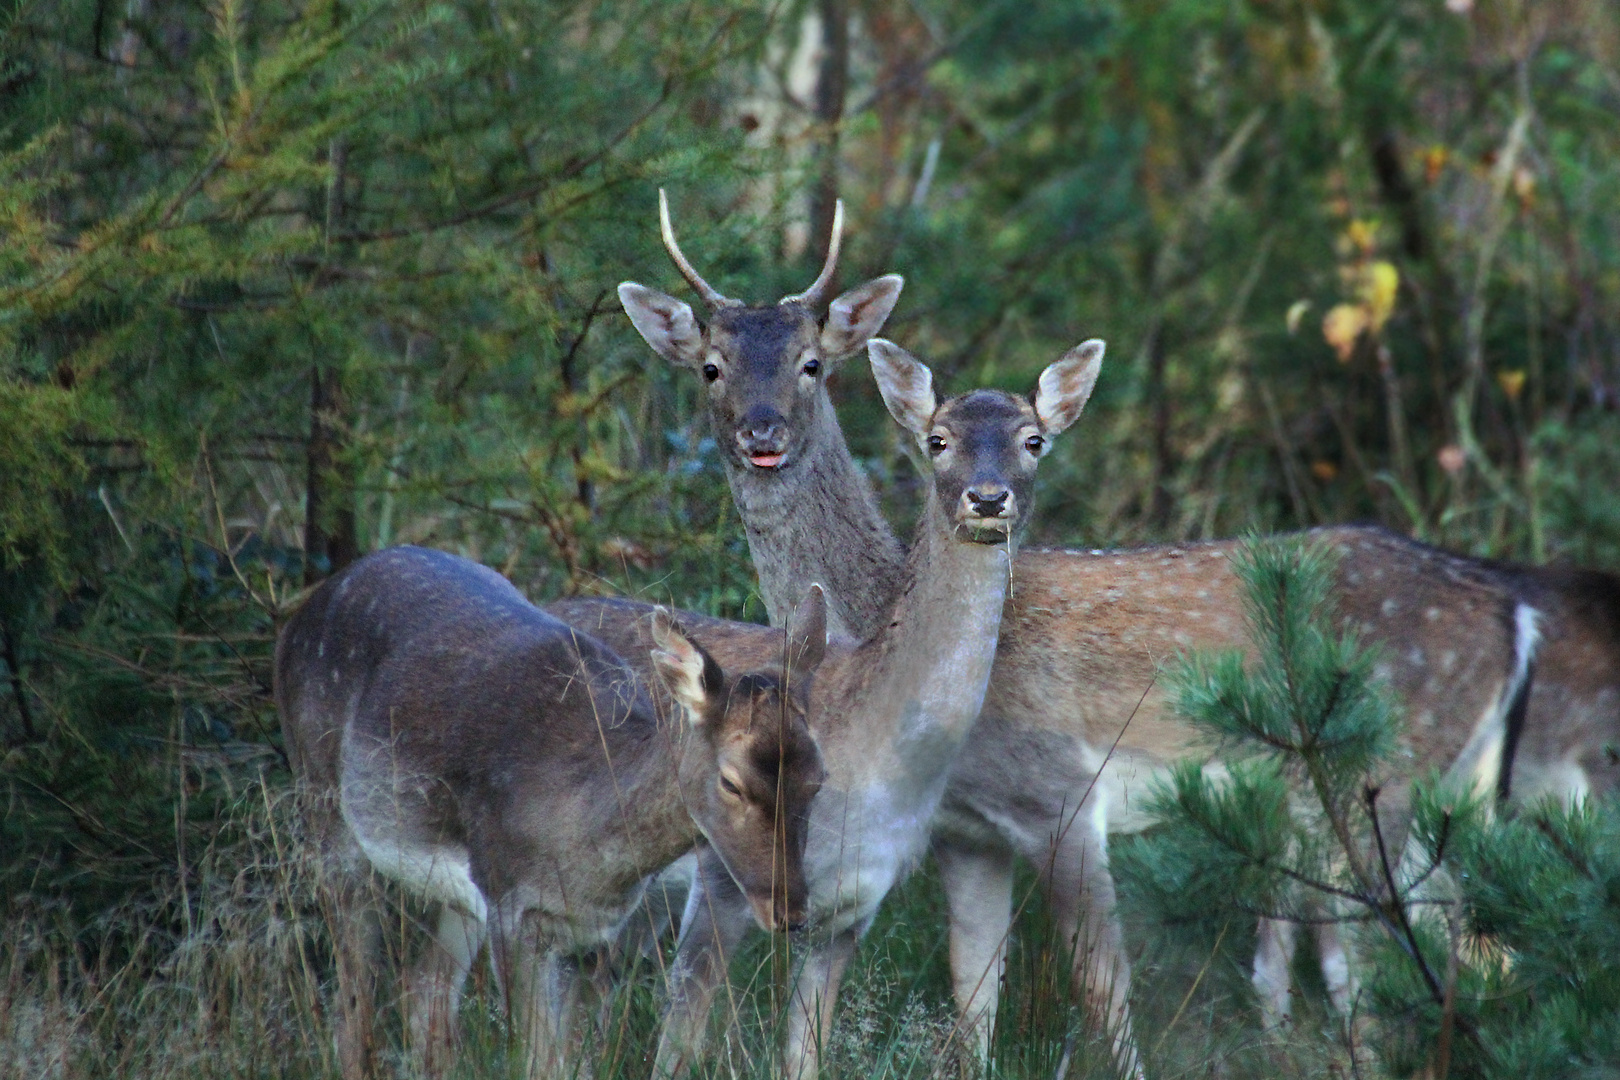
777 915
762 423
988 500
762 431
791 914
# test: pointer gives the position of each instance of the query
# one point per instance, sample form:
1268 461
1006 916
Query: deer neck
926 670
817 521
647 825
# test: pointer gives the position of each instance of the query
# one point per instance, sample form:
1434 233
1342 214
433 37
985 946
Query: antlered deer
1067 738
452 736
891 713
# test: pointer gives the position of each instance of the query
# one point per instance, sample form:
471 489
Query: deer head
984 446
765 365
749 783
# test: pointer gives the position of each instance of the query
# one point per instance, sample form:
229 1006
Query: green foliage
1310 695
1540 903
1525 985
1305 723
353 261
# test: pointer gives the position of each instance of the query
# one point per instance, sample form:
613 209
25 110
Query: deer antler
812 296
711 296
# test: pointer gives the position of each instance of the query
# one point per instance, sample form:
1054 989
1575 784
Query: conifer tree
1494 954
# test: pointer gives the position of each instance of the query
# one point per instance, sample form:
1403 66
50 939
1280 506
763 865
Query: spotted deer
1075 720
449 735
890 713
1563 745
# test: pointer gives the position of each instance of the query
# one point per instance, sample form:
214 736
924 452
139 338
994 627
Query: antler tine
711 296
812 295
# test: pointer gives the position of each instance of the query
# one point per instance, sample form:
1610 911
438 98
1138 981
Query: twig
14 669
1448 1009
1393 904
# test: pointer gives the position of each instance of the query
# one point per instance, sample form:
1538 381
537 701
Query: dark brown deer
898 706
451 736
1570 744
1074 720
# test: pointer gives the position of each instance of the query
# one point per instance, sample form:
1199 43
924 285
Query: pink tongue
767 461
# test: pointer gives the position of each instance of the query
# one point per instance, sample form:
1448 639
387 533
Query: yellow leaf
1524 187
1379 283
1511 382
1361 235
1434 162
1342 327
1296 312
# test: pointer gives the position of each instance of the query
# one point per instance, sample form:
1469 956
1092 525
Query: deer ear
854 317
807 633
666 323
1066 385
691 674
906 383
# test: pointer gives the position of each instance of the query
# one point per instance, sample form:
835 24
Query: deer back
1450 640
487 750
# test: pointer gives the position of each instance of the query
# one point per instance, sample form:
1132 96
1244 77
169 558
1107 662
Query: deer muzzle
777 914
987 512
762 437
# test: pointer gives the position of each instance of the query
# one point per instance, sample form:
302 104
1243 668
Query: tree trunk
329 523
1160 501
831 86
14 667
330 543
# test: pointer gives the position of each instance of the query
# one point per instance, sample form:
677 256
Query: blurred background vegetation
282 283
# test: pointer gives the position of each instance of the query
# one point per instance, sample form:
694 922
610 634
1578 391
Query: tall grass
228 973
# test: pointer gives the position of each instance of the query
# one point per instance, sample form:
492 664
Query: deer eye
812 367
729 788
711 372
1034 444
936 444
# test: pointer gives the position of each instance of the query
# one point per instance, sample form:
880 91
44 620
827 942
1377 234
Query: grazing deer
452 736
1074 721
891 713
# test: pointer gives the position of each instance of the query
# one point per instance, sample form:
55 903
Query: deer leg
560 984
716 920
435 988
1081 892
1337 972
345 890
978 892
810 1010
357 941
1274 947
540 987
665 894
